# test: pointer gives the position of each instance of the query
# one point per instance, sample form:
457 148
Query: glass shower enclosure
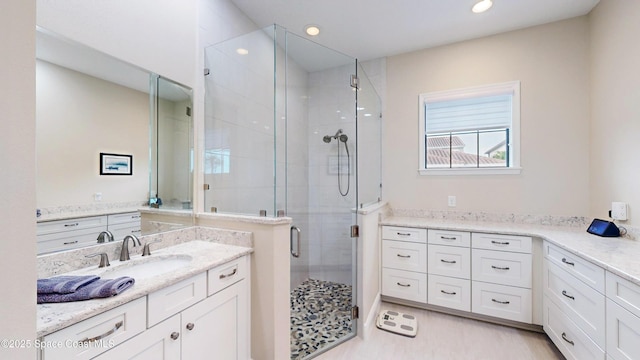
292 128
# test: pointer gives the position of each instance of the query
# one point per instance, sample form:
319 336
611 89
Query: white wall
615 107
17 156
76 121
156 35
552 63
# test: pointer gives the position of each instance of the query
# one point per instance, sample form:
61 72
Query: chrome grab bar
297 253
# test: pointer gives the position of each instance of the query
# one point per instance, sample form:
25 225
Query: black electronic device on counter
603 228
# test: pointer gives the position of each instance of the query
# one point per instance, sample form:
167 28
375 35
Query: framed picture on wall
116 164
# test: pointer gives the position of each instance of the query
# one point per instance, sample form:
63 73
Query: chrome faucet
105 234
124 253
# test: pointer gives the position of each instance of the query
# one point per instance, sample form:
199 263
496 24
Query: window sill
470 171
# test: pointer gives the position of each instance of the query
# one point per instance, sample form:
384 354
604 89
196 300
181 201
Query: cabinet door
501 267
572 342
581 303
450 261
161 342
623 333
449 292
217 327
404 255
406 285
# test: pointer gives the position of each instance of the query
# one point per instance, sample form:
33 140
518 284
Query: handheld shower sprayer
341 137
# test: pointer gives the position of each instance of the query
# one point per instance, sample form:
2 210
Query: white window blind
478 113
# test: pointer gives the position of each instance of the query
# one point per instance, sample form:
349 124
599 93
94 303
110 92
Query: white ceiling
369 29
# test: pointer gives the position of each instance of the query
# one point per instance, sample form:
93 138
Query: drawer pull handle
175 335
499 242
499 268
403 234
564 260
448 293
500 302
100 337
564 337
403 285
136 216
448 237
448 261
564 292
403 256
190 326
70 242
71 225
224 276
136 231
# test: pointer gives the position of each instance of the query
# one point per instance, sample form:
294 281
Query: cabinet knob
175 335
190 326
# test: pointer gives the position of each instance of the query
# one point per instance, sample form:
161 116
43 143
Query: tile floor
446 337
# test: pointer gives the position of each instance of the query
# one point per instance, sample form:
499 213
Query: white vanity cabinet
502 276
69 234
623 318
124 224
573 304
404 263
180 321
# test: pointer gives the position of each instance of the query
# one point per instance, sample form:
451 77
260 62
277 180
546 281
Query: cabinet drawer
581 303
623 333
404 285
522 244
155 343
591 274
572 342
102 331
119 231
447 237
449 261
49 227
225 275
124 218
404 234
403 255
449 292
68 240
624 293
169 301
501 267
501 301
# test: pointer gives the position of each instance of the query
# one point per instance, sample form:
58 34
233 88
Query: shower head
338 136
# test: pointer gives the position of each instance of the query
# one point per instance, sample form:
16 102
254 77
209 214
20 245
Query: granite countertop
205 255
620 255
81 214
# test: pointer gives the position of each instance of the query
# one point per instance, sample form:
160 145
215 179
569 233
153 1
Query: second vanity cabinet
202 317
481 273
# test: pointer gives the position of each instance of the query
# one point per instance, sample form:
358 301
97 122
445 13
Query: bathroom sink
146 267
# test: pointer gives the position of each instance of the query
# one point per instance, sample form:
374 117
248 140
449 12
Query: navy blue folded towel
99 288
64 284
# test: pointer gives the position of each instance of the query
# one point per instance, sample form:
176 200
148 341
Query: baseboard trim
370 321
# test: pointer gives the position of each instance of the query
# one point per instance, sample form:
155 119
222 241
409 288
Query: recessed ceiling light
482 6
242 51
312 30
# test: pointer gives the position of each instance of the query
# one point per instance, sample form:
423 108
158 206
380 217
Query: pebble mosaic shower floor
320 315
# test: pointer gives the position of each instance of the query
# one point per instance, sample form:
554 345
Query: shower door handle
297 252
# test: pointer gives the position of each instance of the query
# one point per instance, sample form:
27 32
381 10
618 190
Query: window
473 130
216 161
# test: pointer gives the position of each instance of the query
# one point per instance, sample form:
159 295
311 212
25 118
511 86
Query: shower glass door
321 193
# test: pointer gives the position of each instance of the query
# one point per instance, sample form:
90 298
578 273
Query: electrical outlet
97 196
452 201
619 211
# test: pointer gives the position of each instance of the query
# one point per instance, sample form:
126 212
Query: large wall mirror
110 137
